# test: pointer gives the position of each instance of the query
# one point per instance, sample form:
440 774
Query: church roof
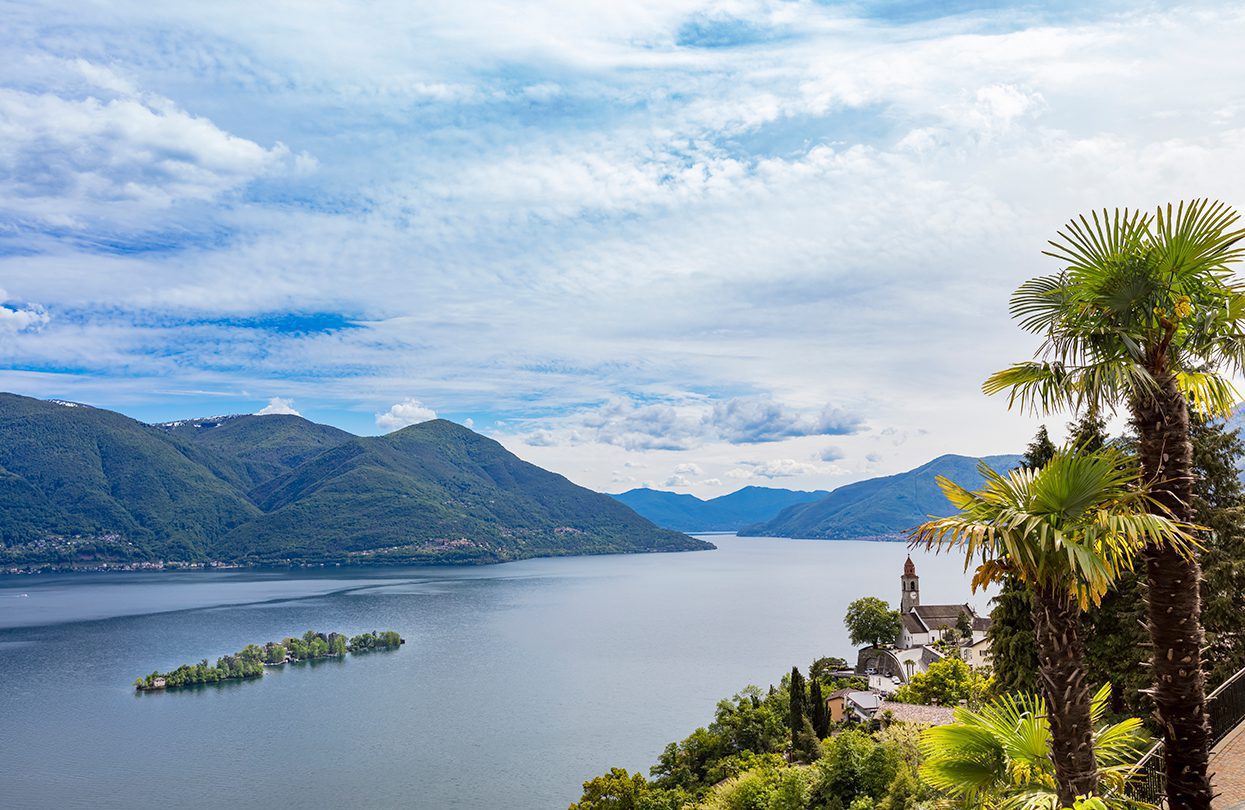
935 616
912 624
909 568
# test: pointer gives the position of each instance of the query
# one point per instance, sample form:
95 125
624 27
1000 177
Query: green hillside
879 506
119 487
83 484
437 489
249 450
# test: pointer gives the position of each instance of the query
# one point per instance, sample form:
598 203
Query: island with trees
253 658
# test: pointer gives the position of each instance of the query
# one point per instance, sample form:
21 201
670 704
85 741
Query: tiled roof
913 713
935 615
912 624
981 622
838 693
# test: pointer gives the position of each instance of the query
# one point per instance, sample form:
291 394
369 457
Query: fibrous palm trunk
1174 605
1061 673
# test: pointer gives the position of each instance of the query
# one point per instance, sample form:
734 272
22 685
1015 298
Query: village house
929 633
835 704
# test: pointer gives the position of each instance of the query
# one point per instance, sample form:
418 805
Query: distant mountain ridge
879 507
726 513
82 484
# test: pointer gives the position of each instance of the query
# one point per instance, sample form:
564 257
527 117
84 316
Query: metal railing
1225 709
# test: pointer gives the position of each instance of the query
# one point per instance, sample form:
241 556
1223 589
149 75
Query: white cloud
20 317
753 420
831 453
783 468
469 423
629 220
407 412
688 422
91 148
689 468
278 405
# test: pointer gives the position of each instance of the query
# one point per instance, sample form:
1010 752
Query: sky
674 243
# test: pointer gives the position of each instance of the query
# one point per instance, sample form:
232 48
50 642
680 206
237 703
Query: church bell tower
910 584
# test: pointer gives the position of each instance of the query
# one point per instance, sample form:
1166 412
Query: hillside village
927 634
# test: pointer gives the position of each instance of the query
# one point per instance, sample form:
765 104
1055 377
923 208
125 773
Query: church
928 633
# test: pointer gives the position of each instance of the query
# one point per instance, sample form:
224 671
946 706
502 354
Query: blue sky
685 244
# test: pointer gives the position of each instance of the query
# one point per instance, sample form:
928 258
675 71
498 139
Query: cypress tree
805 747
1089 432
1013 648
1117 646
1039 451
798 698
820 716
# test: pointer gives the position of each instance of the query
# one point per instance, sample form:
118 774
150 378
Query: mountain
437 489
103 477
83 484
249 450
879 507
726 513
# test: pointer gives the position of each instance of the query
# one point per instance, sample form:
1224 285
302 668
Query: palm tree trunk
1061 673
1174 605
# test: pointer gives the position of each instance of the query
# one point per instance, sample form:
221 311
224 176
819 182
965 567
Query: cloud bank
656 232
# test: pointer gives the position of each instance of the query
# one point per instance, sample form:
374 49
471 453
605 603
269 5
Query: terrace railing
1225 708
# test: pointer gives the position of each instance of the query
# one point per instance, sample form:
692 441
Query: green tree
747 722
1116 646
871 621
685 765
1039 451
1000 755
818 712
804 744
823 669
946 683
854 766
1219 504
964 625
1013 651
1067 530
1147 314
616 790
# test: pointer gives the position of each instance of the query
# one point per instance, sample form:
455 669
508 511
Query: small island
251 660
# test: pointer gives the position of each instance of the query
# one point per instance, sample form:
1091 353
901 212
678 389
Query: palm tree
1147 314
999 755
1067 531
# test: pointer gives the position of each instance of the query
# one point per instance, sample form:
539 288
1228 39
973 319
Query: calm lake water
517 682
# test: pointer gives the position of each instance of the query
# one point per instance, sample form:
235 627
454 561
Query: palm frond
1075 525
1209 393
1086 245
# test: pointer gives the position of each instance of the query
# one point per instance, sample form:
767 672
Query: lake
517 682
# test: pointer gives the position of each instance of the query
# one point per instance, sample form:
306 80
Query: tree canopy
870 620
